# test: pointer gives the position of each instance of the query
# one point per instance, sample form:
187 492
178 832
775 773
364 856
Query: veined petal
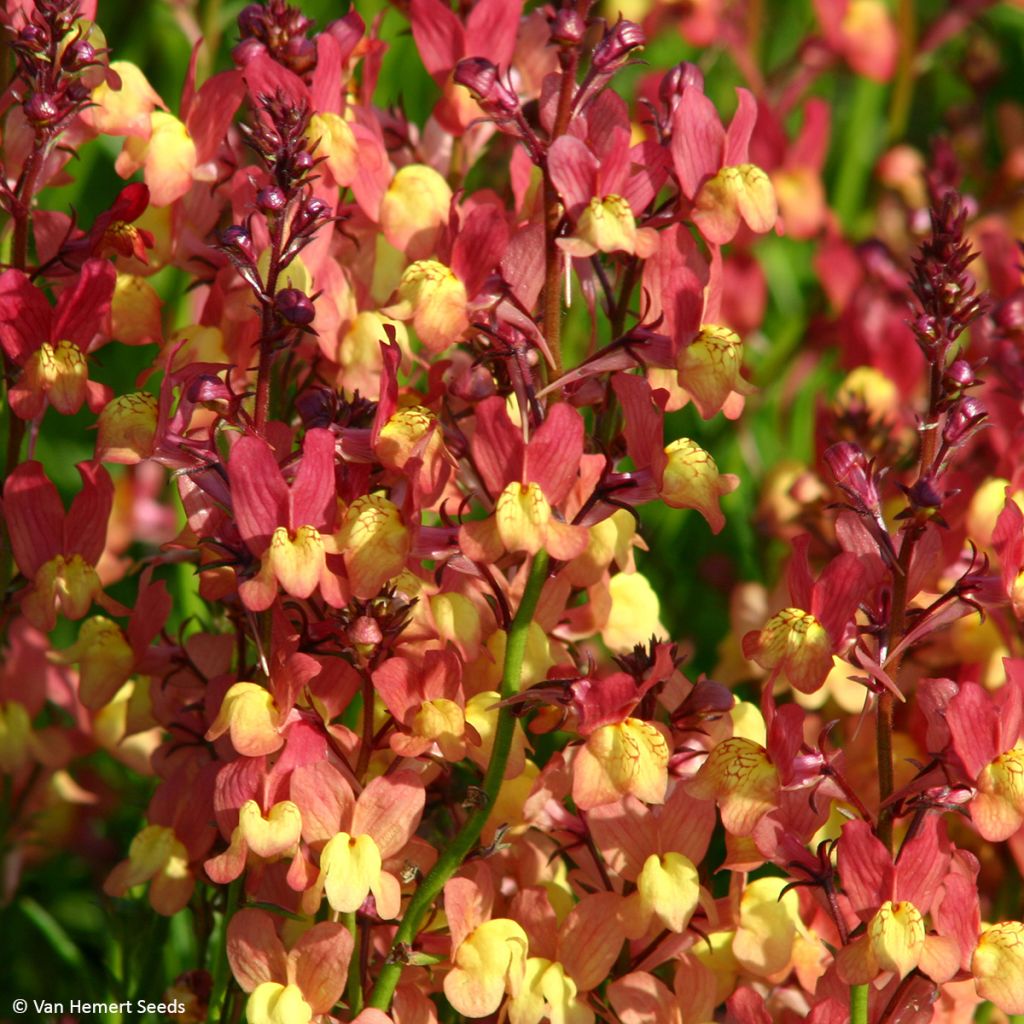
744 782
998 966
896 934
795 647
297 563
375 543
998 808
628 757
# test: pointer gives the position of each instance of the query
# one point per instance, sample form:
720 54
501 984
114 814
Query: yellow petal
349 867
998 966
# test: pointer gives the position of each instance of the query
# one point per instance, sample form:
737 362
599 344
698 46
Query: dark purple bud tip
314 209
294 306
32 36
271 199
675 80
42 110
961 374
924 494
619 42
246 51
303 162
79 54
962 420
568 27
236 237
481 78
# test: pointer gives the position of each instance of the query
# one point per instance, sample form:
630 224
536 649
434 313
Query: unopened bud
79 54
251 20
481 78
619 42
961 374
245 52
851 469
271 199
568 27
675 80
365 631
295 306
42 110
299 54
32 36
236 237
962 420
923 494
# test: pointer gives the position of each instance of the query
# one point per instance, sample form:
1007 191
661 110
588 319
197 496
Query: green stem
453 856
858 1004
355 967
219 966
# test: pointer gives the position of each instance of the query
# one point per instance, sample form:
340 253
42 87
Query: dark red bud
252 20
295 306
303 162
42 110
962 420
32 36
961 374
619 42
365 630
851 469
481 78
236 237
675 80
246 51
79 54
568 27
271 199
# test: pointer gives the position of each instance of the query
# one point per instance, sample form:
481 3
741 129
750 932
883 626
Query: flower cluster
355 578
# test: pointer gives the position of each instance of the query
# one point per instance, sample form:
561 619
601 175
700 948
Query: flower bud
42 110
247 51
79 54
923 494
618 43
568 27
481 78
295 306
961 374
299 55
852 472
251 20
271 199
32 36
675 80
962 420
237 238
